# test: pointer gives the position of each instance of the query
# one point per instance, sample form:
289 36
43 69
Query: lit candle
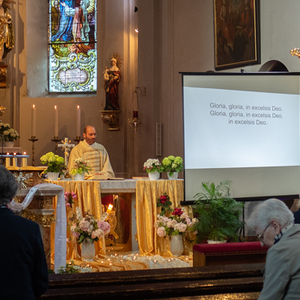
7 161
78 121
109 209
15 164
24 160
33 121
55 121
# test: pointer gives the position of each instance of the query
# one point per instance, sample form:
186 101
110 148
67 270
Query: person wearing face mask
273 223
94 153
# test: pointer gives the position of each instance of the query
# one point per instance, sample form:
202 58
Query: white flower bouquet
152 165
178 223
8 133
87 227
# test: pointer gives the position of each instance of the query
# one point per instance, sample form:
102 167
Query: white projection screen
243 127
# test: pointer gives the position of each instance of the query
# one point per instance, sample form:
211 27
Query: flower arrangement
164 202
178 223
172 164
69 197
87 227
8 133
80 166
55 163
152 165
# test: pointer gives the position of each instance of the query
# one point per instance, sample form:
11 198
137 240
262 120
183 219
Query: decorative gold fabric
89 198
147 193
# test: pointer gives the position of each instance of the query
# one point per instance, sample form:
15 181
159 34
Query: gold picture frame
236 33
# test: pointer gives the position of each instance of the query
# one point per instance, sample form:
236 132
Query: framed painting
236 33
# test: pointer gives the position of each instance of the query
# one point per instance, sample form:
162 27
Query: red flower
177 212
163 199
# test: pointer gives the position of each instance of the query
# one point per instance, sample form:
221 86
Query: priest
95 153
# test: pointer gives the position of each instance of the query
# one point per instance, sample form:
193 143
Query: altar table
144 195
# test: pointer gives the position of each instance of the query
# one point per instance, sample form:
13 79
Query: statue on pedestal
112 77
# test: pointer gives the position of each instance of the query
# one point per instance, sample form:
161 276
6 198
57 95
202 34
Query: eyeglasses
261 236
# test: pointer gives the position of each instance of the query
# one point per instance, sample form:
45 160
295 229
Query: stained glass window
72 46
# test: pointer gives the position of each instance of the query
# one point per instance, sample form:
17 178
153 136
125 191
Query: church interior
154 42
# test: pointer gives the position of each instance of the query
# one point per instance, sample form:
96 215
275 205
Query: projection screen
243 127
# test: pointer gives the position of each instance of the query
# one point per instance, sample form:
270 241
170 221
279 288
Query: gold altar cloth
88 198
147 193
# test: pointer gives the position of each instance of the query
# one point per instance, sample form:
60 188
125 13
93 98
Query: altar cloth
59 238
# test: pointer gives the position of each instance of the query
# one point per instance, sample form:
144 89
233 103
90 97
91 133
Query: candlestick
55 120
33 139
15 164
56 140
33 120
24 160
78 121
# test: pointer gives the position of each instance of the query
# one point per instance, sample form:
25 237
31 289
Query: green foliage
69 268
55 163
218 214
172 164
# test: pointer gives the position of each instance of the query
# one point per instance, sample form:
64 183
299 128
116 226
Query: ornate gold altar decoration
112 220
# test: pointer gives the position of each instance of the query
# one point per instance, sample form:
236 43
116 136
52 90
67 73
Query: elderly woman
23 271
273 223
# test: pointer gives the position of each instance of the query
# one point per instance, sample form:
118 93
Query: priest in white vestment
95 153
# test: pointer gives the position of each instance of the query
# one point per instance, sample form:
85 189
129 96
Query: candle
55 121
15 164
110 207
78 121
7 161
24 160
33 121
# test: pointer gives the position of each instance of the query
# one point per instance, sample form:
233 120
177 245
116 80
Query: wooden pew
236 281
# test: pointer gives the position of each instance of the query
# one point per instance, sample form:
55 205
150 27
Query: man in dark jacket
23 268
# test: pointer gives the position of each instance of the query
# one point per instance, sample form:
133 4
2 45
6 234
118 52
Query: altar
142 197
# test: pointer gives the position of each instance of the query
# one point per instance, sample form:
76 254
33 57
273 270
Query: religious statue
112 77
6 29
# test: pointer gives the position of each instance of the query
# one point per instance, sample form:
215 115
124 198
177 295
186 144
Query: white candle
7 161
24 160
78 121
55 120
15 164
33 121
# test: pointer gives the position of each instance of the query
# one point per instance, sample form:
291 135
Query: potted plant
8 134
80 167
175 226
218 213
153 168
172 165
56 165
88 230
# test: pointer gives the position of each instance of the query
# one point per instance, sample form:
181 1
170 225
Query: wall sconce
134 121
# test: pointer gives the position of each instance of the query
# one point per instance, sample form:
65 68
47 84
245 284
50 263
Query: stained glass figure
72 46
